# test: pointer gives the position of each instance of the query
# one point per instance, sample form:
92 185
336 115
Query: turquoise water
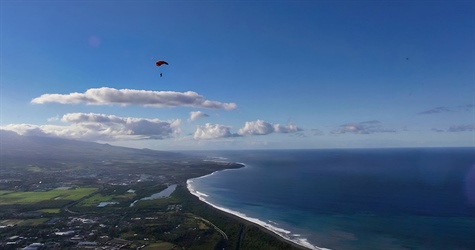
352 199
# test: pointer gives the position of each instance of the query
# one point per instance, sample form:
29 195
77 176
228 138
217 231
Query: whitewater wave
285 234
202 194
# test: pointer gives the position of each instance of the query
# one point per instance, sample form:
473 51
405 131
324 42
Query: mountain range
18 147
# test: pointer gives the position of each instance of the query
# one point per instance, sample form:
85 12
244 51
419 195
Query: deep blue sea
419 198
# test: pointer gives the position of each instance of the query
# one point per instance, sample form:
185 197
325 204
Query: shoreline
279 233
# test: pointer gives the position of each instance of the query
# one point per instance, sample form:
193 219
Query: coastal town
48 209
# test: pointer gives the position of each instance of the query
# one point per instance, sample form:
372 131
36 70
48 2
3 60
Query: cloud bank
456 128
368 127
462 128
100 127
111 96
259 127
437 110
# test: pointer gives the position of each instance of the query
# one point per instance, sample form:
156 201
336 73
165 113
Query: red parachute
160 63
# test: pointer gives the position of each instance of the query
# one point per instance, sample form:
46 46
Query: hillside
34 148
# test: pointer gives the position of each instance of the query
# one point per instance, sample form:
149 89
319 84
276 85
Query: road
215 227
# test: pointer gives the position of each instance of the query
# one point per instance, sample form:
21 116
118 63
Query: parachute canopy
160 63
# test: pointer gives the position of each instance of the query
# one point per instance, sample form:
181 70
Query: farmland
9 198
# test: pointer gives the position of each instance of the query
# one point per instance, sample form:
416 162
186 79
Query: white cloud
212 131
258 127
290 128
100 127
195 115
111 96
261 127
25 129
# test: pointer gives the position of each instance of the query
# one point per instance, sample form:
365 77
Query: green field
162 245
3 192
95 200
50 211
11 198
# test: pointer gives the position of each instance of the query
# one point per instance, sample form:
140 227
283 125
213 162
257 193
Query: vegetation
50 211
180 220
35 197
95 200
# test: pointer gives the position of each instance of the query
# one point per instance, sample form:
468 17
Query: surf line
277 231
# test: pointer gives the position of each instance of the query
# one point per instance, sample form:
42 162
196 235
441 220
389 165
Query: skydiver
159 63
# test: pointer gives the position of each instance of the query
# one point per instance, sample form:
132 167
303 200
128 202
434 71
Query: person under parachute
160 63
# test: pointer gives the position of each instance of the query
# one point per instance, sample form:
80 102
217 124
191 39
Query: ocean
417 198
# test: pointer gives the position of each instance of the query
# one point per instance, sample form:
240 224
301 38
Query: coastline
278 233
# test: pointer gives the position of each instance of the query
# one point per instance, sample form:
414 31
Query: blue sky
241 74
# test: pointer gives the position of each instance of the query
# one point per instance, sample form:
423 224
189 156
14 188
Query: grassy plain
95 200
50 211
11 198
161 245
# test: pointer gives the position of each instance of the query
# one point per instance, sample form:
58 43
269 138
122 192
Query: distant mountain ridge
15 146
